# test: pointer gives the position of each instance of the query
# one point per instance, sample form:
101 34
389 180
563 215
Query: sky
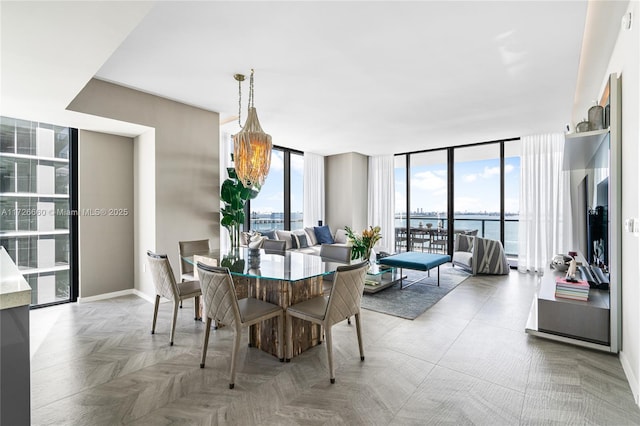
476 187
271 197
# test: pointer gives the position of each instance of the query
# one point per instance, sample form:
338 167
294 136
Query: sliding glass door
472 189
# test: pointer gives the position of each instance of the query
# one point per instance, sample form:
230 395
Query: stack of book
572 290
371 282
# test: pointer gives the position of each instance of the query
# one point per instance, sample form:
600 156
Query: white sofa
312 245
309 244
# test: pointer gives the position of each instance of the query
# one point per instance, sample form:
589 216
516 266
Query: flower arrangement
363 244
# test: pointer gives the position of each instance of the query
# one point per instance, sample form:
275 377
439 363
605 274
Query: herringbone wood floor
467 360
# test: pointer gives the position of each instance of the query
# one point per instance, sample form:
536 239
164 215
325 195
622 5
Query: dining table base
264 335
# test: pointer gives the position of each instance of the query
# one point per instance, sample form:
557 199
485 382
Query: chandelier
251 146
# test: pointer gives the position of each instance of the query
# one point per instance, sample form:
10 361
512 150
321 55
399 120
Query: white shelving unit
548 316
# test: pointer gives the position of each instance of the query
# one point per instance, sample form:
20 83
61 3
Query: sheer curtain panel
382 199
545 227
313 190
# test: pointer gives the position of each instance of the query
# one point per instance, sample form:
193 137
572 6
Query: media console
586 322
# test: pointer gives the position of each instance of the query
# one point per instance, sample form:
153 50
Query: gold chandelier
251 146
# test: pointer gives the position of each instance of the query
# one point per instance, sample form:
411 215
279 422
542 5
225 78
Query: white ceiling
331 77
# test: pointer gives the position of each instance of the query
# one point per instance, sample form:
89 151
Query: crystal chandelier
251 146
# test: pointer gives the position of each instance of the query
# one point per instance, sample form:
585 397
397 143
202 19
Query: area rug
411 302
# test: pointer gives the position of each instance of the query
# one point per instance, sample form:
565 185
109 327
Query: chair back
163 279
335 253
346 293
274 246
189 248
219 295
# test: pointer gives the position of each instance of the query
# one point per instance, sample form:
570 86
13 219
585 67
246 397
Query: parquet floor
467 360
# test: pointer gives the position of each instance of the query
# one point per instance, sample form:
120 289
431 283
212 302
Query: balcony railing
487 228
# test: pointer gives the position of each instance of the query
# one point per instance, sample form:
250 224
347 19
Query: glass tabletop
377 269
290 266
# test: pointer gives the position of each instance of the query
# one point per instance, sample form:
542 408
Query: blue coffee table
416 261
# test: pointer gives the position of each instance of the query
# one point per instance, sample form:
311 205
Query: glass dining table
282 278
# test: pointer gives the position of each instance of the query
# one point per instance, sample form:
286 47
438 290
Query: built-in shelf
579 148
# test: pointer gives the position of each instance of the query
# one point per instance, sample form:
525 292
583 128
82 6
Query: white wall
144 183
346 191
185 166
625 61
105 185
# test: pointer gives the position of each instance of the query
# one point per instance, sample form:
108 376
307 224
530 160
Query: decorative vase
372 257
582 126
596 114
254 258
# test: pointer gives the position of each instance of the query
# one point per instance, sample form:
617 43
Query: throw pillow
285 236
311 236
323 234
465 243
341 236
244 238
299 240
271 235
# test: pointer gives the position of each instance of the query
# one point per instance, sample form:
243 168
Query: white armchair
479 255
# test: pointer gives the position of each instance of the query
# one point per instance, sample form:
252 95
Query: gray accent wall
105 200
176 170
346 197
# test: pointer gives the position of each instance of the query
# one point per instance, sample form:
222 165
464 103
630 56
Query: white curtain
545 227
381 199
225 161
313 189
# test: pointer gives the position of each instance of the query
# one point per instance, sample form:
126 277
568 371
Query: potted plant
363 244
234 196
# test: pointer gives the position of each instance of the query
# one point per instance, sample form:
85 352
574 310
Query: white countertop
14 290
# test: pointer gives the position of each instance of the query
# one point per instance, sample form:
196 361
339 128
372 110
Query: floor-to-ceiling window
472 188
401 217
428 205
512 151
477 190
279 203
37 224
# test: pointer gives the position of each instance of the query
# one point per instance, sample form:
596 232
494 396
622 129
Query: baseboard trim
631 378
150 299
106 296
135 292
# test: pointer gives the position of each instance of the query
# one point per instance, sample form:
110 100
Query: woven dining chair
167 287
222 305
343 301
186 249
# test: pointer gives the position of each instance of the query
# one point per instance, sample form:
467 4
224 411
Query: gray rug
412 301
